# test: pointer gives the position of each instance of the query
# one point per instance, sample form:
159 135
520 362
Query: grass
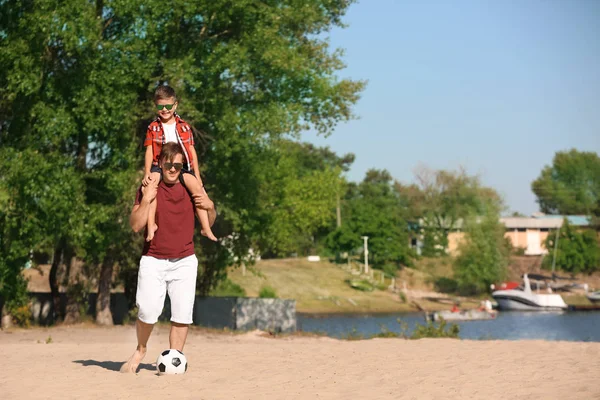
318 287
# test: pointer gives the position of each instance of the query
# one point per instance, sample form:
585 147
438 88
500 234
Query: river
569 326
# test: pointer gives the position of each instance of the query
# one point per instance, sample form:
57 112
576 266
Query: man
168 262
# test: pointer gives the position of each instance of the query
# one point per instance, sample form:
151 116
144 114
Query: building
530 233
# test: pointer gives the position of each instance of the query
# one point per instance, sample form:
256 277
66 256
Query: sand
82 362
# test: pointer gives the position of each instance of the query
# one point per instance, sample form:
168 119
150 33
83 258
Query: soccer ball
171 362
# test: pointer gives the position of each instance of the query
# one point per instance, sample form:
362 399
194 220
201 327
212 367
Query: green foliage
389 270
403 297
22 315
577 251
440 200
373 208
518 251
483 255
445 285
227 288
76 81
361 284
431 330
267 292
435 241
571 185
18 302
299 192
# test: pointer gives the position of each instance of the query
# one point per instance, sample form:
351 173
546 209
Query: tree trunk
103 314
54 288
72 313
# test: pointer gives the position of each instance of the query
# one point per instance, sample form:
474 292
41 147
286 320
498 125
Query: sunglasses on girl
169 165
169 107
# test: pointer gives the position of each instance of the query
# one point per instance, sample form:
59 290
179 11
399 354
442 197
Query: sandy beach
82 362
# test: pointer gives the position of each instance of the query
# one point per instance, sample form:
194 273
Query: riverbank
82 362
322 288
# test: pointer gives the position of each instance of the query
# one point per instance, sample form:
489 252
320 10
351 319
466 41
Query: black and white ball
171 362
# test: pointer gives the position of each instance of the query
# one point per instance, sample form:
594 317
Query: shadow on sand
111 365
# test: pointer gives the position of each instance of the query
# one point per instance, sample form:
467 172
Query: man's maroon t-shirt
175 219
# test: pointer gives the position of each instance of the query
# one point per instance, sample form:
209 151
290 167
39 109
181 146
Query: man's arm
195 167
139 214
205 203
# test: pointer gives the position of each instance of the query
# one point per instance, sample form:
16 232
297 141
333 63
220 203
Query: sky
495 87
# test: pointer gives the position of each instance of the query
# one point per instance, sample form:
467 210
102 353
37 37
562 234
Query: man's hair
169 151
164 92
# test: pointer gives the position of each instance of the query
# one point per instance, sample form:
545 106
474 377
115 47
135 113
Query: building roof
544 221
577 220
531 223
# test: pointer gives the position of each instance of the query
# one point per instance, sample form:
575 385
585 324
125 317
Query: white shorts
155 277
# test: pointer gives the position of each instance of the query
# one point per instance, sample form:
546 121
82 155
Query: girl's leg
152 227
194 185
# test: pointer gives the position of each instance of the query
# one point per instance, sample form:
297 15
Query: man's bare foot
134 361
151 233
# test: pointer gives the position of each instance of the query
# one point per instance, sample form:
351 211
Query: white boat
523 299
594 297
464 315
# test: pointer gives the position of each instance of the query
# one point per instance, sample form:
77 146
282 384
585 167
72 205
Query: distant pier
585 307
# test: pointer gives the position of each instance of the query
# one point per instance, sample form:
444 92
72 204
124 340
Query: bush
361 284
402 296
19 304
389 270
431 330
267 292
445 285
227 288
22 316
483 256
518 251
576 251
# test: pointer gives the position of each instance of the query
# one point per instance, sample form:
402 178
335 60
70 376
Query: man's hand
203 201
149 193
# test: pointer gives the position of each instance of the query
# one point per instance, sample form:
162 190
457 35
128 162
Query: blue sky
496 87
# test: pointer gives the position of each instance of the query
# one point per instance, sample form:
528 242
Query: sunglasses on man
169 107
177 165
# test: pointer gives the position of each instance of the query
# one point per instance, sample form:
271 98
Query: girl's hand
147 180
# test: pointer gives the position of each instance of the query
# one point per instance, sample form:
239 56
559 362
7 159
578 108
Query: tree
571 185
75 95
576 251
374 209
440 199
483 254
299 192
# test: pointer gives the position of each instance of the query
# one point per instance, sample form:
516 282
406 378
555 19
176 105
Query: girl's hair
164 92
170 150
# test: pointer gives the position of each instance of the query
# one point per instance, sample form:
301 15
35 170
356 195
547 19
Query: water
569 326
